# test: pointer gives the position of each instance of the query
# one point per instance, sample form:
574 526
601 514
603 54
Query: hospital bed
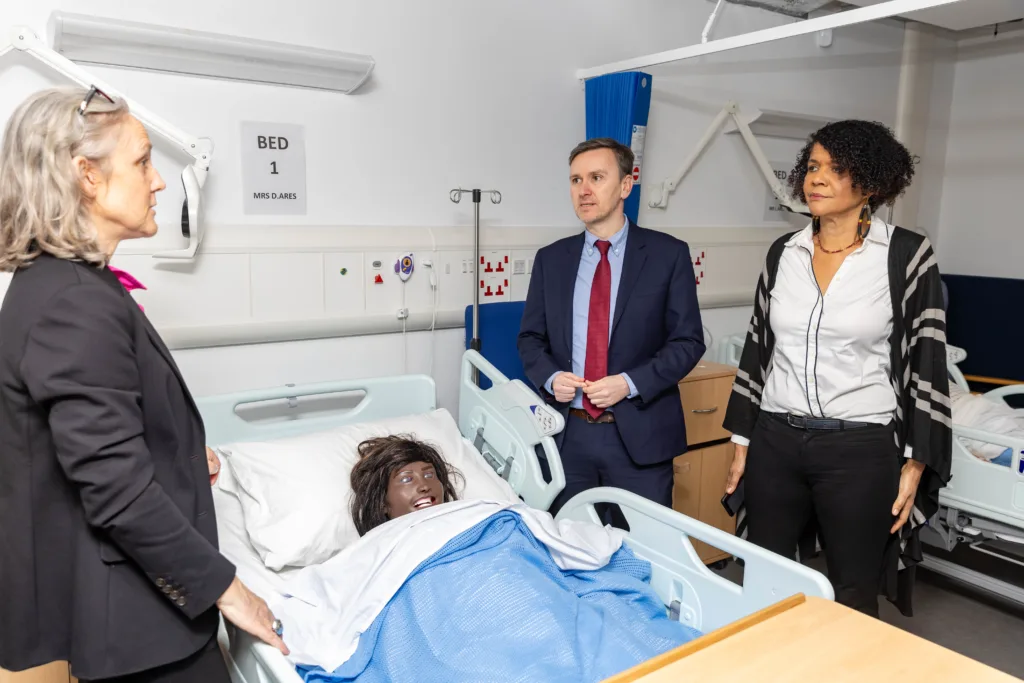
511 429
983 504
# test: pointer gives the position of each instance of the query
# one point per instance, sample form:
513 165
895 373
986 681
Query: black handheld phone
732 502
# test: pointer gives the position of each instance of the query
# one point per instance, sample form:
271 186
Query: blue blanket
1005 458
493 606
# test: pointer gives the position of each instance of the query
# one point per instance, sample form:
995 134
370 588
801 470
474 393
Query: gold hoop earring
865 219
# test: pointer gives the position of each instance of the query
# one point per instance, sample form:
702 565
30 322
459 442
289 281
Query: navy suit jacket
656 337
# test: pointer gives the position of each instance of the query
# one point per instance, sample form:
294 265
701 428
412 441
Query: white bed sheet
235 545
978 412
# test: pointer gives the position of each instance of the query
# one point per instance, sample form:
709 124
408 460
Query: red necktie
596 365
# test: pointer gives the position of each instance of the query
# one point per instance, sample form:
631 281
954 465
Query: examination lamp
200 149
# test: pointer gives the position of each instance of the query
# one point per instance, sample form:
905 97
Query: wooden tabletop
57 672
820 640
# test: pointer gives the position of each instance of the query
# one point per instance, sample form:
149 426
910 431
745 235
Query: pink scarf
127 280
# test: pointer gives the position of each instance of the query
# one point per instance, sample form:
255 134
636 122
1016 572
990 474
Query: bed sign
773 211
273 169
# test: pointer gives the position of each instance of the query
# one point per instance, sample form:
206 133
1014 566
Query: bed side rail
1003 392
731 349
993 438
696 595
250 660
1015 444
983 489
954 355
374 399
507 422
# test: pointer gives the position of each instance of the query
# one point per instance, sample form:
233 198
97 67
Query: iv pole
456 196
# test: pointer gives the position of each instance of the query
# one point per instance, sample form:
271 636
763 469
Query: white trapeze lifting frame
200 149
881 10
659 194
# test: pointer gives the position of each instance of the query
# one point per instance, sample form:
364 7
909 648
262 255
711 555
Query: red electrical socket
699 259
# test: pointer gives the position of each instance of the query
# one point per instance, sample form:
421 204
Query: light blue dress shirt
589 261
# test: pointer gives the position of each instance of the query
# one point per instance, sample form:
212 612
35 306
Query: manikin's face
596 185
413 487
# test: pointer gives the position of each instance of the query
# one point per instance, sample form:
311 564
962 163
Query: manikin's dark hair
378 460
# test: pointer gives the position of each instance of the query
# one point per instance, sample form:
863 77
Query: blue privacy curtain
617 107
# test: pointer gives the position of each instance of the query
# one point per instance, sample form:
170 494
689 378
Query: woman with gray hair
108 541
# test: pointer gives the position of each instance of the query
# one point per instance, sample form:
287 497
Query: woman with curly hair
397 475
840 410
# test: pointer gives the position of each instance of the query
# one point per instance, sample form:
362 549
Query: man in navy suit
611 325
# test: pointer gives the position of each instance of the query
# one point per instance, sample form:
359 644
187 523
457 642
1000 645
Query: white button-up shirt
831 356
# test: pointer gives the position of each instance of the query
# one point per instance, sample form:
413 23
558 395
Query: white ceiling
963 15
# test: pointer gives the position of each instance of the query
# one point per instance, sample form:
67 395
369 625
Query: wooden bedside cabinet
700 474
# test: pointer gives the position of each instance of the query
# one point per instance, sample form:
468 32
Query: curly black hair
378 459
877 162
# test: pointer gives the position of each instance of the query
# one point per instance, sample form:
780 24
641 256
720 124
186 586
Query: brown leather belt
604 418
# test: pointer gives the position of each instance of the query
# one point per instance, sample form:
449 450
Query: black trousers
848 479
593 455
205 666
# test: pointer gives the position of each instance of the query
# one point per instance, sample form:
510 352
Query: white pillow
295 491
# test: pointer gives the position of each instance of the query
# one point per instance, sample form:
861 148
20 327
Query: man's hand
910 477
565 385
607 392
249 612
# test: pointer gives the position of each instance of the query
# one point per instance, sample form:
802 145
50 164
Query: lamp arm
659 194
761 160
200 149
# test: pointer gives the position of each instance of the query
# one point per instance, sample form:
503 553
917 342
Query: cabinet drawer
704 403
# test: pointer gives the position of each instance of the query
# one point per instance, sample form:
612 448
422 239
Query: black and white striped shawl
919 378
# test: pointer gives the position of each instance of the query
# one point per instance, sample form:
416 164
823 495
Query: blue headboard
985 317
499 329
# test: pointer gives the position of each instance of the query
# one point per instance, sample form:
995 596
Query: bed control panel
516 397
547 418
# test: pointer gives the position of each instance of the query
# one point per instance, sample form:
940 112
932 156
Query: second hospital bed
983 504
510 429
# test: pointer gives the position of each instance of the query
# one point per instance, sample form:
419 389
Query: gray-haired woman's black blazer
108 540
